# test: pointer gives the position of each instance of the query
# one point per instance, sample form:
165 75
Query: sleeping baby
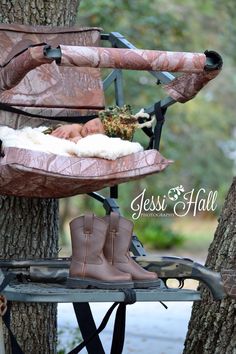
108 136
75 132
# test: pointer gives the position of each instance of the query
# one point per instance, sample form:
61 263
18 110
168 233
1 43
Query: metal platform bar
164 103
40 292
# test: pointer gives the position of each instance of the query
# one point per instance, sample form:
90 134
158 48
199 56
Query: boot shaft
119 234
116 251
88 234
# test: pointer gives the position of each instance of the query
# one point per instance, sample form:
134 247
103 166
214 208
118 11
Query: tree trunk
212 327
29 227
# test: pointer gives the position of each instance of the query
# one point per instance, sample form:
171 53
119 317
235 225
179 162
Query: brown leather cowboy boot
116 251
89 268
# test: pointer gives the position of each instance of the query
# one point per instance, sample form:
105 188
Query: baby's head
93 126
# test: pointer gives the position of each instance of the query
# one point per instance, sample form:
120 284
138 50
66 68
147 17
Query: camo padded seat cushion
35 174
50 86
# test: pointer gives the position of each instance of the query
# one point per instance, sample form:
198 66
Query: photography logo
176 202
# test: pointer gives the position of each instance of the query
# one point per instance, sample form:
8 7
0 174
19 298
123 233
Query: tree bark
212 327
39 12
29 227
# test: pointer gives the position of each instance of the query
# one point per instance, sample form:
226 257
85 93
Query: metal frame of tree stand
42 292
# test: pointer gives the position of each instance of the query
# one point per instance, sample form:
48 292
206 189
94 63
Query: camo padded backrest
51 86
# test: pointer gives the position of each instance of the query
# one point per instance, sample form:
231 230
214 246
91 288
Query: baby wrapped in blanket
69 140
93 139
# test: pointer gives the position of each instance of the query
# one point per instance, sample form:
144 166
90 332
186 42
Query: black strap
160 119
114 192
155 136
119 326
100 328
87 327
16 349
119 330
148 131
72 119
118 338
8 277
1 149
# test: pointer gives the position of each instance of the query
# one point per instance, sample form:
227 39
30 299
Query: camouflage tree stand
79 101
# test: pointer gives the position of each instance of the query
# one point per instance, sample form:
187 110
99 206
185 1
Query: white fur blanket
96 145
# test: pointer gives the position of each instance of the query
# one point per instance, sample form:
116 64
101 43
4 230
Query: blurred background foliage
199 135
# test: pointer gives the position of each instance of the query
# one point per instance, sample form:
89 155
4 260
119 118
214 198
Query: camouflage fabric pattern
181 89
35 174
47 86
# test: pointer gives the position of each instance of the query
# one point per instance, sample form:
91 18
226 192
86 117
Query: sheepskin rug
96 145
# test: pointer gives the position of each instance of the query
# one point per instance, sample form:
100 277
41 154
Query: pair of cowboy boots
100 255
